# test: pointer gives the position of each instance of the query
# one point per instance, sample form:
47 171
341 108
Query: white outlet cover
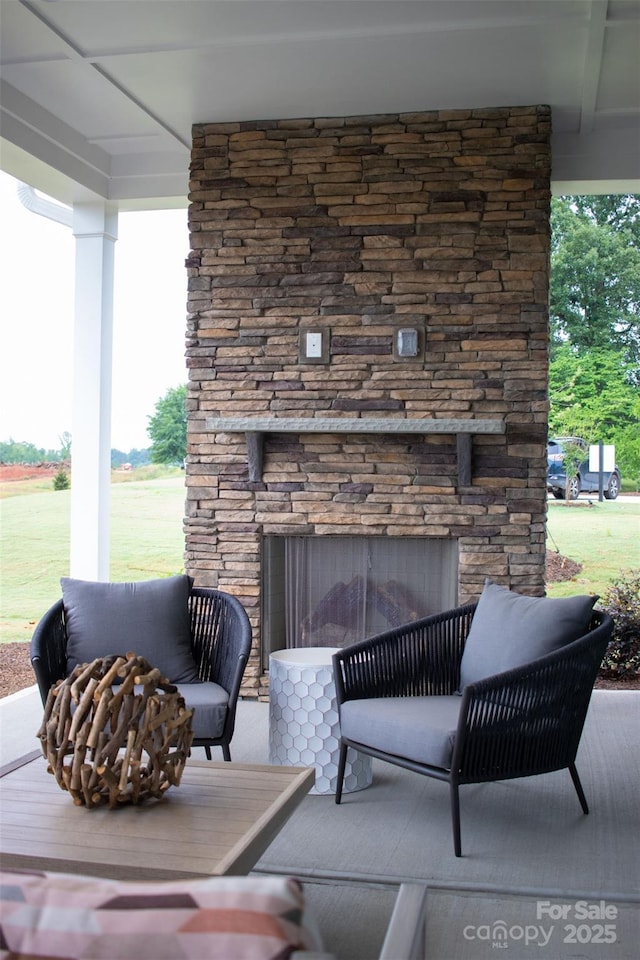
314 344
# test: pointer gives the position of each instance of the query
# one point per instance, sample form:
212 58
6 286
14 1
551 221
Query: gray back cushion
509 630
150 619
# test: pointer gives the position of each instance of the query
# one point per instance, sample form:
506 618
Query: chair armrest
49 649
220 637
406 934
534 713
417 659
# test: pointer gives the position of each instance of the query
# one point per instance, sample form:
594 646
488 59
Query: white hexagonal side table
303 719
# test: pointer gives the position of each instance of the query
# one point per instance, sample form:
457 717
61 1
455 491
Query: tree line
167 430
14 451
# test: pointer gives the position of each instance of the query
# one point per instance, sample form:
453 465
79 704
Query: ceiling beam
86 62
593 64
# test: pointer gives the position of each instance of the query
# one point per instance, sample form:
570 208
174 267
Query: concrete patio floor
535 874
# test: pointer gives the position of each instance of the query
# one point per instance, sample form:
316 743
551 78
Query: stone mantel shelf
255 427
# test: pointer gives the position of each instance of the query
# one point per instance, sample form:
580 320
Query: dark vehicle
584 480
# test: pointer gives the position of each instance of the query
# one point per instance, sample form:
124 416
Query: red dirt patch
28 471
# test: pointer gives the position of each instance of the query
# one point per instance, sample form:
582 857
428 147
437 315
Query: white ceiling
99 96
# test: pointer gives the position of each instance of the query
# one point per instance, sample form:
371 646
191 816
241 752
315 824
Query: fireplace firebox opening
332 591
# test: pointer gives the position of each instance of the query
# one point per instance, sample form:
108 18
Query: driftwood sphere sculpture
109 744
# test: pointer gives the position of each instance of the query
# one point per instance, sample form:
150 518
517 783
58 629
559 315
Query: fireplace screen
332 591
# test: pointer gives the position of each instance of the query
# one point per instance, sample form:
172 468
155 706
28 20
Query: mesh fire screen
332 591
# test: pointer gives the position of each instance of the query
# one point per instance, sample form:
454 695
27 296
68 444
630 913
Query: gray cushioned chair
488 691
200 640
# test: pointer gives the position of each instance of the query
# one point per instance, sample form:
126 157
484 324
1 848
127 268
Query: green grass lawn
603 537
147 540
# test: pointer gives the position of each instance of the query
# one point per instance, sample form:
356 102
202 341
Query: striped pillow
74 917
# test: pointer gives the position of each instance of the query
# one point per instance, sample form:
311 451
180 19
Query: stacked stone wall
359 226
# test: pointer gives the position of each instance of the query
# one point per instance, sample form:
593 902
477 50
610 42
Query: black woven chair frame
220 644
520 723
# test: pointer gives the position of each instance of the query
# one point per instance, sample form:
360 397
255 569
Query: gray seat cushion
417 728
209 702
509 630
150 619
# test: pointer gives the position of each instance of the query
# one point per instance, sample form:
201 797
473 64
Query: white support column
95 227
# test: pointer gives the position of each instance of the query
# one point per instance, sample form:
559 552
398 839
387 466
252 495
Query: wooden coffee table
219 820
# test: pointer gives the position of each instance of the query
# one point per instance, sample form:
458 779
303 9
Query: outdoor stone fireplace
367 347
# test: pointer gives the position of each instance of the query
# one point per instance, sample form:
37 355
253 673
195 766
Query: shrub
622 601
61 480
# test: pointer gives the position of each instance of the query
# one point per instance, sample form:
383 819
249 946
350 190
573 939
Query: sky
37 265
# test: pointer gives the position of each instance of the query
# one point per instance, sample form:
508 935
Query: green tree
594 396
65 445
620 211
595 274
168 427
594 388
61 480
627 444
